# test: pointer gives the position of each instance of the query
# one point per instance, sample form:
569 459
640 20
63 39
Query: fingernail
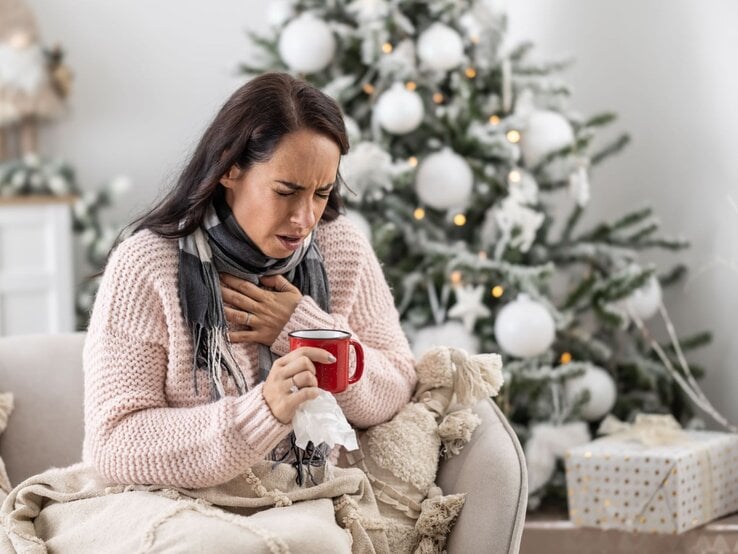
331 358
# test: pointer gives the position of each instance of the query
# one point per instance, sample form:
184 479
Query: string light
438 97
497 291
387 47
456 277
368 88
513 136
460 220
411 85
514 176
419 213
565 358
470 72
482 255
474 39
494 119
413 161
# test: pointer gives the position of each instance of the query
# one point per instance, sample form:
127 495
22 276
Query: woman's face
279 202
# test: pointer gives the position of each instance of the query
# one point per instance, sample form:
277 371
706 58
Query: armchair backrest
44 372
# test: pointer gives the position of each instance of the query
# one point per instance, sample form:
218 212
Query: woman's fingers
238 300
244 287
302 380
239 317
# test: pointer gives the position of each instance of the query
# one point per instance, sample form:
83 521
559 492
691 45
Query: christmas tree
470 176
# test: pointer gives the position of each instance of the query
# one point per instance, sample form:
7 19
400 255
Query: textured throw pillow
6 406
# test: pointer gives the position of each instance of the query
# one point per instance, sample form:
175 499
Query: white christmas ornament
278 12
509 218
602 392
367 166
524 328
548 442
307 44
361 223
444 180
451 333
469 305
399 110
545 132
440 47
645 301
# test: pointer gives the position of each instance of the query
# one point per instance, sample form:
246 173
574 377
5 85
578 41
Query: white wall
150 75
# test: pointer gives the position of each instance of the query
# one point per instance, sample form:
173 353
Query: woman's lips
290 243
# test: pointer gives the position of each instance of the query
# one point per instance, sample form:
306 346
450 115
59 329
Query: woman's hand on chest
256 314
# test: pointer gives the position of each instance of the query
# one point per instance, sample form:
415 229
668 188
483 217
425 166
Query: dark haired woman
188 375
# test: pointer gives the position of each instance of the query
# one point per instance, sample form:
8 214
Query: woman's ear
230 179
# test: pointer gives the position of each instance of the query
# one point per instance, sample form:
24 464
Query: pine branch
600 120
675 275
610 150
571 222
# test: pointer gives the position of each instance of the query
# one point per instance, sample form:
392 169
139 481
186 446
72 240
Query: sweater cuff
255 420
307 315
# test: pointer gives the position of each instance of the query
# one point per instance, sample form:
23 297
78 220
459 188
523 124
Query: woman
249 243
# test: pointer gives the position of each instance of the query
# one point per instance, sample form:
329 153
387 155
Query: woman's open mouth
290 242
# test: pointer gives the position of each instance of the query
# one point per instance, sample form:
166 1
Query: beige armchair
45 374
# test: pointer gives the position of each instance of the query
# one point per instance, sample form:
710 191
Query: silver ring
294 388
248 318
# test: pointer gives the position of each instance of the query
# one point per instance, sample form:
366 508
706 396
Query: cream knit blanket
75 510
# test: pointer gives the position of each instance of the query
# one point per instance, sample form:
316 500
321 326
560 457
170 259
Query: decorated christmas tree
470 174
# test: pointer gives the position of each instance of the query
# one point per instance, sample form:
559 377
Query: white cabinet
36 290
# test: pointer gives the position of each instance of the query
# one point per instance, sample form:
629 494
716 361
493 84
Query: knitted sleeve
132 435
362 304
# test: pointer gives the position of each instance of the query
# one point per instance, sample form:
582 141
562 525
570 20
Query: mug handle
358 372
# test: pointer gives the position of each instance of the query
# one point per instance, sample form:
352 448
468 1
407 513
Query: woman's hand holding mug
292 381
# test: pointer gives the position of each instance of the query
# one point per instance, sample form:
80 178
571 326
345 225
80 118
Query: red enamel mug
331 377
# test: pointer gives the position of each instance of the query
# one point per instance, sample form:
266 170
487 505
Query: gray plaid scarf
220 245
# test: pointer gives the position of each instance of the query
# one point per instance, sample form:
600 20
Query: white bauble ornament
524 328
278 12
440 47
451 333
444 180
399 110
645 301
602 392
545 132
307 44
361 223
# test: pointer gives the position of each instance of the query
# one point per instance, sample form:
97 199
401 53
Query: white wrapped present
652 477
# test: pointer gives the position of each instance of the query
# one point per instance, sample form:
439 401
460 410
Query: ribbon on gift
648 429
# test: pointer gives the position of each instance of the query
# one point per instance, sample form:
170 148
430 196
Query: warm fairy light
474 39
565 358
368 88
456 277
470 72
460 219
514 176
494 119
513 136
411 85
419 213
438 97
413 161
482 255
497 291
387 47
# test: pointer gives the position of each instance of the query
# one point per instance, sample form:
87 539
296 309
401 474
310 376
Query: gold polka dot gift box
651 476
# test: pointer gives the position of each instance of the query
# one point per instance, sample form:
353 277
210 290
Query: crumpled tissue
322 420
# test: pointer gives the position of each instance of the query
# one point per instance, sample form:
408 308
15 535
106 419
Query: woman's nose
304 216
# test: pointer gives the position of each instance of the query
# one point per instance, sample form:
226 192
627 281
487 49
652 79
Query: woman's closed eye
321 193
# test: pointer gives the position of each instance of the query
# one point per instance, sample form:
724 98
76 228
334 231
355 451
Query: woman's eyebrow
295 186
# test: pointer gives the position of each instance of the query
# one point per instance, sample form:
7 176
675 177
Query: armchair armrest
491 471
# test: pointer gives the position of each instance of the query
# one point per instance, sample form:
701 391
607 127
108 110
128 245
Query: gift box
648 482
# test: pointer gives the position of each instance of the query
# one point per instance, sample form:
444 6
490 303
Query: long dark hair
246 131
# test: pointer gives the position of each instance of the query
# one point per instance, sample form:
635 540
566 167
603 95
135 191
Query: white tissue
322 420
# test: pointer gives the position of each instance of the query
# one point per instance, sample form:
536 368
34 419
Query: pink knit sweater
143 421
